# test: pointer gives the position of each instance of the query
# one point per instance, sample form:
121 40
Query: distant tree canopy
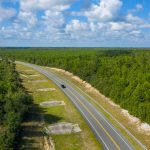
14 103
122 74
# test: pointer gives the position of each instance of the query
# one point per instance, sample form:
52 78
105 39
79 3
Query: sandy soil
52 103
46 89
63 128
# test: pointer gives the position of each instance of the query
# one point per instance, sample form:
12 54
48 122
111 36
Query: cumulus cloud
7 13
32 5
134 19
53 18
53 24
118 26
102 22
106 10
28 18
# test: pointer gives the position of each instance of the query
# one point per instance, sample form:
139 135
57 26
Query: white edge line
88 121
112 117
55 80
107 113
99 106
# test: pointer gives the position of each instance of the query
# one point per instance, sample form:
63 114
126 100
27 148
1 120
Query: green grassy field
32 128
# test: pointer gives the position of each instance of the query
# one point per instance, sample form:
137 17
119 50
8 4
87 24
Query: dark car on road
63 86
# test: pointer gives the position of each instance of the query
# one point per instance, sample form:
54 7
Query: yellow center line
96 120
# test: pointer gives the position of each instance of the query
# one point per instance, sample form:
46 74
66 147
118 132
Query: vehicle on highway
63 86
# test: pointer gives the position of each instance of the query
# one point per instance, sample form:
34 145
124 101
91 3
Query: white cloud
76 29
6 13
101 23
107 31
33 5
118 26
27 17
76 25
48 25
52 24
106 10
134 19
53 18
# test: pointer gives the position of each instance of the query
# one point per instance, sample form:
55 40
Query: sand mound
142 127
46 89
130 117
145 127
52 103
63 128
61 70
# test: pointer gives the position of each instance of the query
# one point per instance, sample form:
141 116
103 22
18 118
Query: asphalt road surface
109 137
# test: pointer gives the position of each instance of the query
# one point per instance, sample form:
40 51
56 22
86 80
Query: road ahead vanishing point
105 132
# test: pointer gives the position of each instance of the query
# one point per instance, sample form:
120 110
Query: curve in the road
105 132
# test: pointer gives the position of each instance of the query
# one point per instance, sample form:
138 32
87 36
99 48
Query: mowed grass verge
32 131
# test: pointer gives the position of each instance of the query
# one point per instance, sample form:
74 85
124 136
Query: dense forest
14 105
122 74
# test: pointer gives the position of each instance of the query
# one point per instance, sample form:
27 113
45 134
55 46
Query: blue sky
71 23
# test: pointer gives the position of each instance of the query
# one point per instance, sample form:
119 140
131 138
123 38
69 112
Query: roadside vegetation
122 75
14 105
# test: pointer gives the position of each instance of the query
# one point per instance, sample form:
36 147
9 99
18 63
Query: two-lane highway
105 132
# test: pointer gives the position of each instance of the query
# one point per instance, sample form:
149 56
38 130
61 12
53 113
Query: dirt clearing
53 103
46 90
63 128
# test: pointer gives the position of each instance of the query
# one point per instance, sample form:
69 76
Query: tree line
121 74
14 105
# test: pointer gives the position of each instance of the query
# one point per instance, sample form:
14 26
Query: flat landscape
74 75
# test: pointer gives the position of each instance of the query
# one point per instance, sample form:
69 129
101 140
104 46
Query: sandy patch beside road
53 103
46 90
63 128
